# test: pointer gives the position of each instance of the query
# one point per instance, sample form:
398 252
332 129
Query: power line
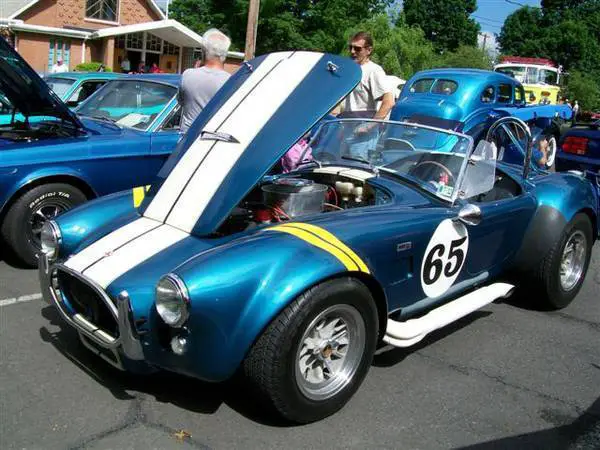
489 20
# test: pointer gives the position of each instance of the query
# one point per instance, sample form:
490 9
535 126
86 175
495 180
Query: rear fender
559 200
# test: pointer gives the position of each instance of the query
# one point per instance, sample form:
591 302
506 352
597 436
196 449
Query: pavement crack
593 325
131 418
501 380
170 431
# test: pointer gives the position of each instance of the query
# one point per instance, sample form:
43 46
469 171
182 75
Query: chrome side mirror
470 214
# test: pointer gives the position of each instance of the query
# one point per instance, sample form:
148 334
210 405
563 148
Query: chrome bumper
98 341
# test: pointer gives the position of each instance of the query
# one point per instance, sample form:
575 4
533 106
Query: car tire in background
23 222
314 355
552 150
562 272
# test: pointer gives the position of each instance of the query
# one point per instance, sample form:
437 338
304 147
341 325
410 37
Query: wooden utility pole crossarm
251 29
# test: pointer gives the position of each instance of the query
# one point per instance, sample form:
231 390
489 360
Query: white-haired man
199 85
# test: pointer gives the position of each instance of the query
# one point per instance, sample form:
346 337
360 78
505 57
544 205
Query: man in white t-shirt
59 67
373 86
372 98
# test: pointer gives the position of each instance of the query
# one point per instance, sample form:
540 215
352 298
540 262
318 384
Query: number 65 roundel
444 257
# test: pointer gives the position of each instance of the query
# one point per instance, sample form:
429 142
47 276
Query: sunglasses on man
356 48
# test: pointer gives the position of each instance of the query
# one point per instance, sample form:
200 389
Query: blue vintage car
293 279
52 159
470 100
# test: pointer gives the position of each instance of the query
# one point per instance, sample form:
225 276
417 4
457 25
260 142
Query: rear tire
315 354
562 272
23 222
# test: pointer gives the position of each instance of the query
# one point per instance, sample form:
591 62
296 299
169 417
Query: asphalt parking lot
507 376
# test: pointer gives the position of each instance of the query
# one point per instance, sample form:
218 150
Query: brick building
76 31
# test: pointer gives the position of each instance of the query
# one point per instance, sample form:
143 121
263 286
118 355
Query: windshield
129 103
60 86
432 158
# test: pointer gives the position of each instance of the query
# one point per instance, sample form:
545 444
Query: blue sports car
71 87
52 159
293 279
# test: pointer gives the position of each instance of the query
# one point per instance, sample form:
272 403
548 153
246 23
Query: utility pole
251 29
484 40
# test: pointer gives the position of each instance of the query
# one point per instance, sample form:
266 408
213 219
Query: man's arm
387 103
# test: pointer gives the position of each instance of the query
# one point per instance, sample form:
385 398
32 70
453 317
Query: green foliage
446 23
583 88
91 67
282 24
467 56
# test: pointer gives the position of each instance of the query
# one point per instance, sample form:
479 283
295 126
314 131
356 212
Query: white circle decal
444 257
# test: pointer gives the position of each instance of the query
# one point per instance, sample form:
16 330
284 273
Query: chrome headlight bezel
50 239
172 300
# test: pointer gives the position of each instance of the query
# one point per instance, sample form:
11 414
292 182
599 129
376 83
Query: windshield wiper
103 118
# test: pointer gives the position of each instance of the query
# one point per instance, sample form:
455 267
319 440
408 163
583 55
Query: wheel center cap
327 352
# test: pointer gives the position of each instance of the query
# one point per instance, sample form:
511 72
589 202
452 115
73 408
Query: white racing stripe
126 258
164 199
108 243
21 299
244 124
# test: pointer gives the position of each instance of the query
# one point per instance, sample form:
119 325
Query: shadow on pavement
184 392
7 257
581 434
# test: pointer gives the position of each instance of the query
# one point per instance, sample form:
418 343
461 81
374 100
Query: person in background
125 65
199 85
155 69
59 67
575 111
363 100
141 67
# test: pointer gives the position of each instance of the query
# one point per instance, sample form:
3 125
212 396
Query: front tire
562 272
23 223
313 357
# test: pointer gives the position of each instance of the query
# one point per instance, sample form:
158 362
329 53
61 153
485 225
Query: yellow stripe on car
139 193
326 241
329 237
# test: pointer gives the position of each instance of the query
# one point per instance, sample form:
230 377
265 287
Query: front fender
236 290
93 219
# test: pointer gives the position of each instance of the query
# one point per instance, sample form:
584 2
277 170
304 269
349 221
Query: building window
134 41
102 10
153 43
170 49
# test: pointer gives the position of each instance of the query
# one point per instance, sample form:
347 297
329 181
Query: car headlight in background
172 300
50 239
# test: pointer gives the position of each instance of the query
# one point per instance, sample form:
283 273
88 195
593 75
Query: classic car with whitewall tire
385 232
53 158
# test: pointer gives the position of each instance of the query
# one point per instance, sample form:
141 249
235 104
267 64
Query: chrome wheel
43 212
330 352
572 262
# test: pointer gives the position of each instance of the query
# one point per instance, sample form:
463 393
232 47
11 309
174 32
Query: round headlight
172 300
50 238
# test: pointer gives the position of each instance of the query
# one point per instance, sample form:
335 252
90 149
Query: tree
522 33
583 88
446 23
282 24
467 56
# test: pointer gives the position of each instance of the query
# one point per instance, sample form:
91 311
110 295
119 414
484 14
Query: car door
165 137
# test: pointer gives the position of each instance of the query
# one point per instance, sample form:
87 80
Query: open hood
262 110
26 91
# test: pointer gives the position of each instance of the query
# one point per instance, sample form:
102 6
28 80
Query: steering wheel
414 169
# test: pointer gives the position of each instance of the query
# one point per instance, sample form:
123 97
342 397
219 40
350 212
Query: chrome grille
85 300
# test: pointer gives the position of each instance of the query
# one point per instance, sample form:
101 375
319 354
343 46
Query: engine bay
286 197
26 132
